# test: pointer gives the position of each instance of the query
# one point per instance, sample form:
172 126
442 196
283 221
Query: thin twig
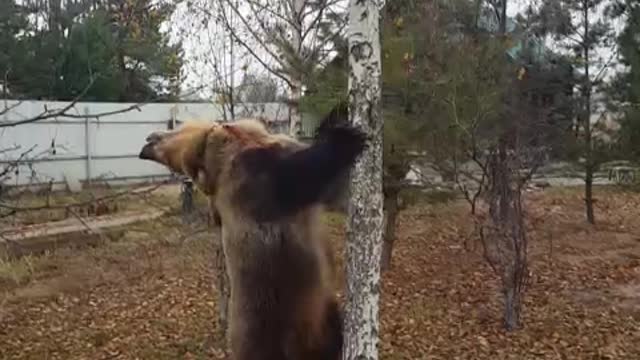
13 148
84 223
9 108
250 50
63 112
47 114
13 164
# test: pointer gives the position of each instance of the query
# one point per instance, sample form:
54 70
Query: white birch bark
366 219
295 118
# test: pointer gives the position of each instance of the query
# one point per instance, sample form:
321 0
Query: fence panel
83 147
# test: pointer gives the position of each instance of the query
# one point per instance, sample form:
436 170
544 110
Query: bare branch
270 11
63 112
250 30
314 22
13 164
249 49
607 65
9 108
84 223
47 114
13 148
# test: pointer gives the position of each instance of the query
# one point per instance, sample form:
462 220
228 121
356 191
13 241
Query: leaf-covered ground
150 296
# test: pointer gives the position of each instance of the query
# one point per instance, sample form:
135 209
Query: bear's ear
193 156
238 135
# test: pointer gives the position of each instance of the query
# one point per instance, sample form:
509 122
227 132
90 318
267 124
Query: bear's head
200 149
181 149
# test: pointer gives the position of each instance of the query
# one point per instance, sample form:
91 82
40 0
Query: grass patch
166 196
18 272
630 188
334 219
417 196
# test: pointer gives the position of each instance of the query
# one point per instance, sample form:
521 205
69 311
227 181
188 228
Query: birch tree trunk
366 220
295 118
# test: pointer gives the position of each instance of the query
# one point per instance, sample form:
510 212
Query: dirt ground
148 294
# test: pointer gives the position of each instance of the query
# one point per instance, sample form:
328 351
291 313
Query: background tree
579 27
327 96
214 61
13 20
445 94
256 88
625 87
435 96
116 46
289 39
482 117
527 116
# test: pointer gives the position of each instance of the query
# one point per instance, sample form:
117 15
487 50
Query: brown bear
267 190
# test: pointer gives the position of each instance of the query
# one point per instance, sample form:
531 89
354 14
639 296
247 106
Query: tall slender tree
365 225
580 27
625 89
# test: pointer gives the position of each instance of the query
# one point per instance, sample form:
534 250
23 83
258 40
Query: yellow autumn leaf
521 73
399 22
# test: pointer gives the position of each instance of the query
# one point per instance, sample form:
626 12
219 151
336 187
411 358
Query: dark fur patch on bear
332 349
278 276
279 184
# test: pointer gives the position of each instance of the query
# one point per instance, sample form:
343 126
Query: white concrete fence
80 149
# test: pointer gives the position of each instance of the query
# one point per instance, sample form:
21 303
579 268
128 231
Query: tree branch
13 164
9 108
249 49
270 11
48 114
249 28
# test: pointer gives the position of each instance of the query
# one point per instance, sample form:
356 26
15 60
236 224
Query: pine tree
625 89
579 27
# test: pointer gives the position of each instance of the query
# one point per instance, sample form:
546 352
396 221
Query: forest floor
148 294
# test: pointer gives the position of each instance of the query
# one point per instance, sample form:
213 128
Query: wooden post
187 199
87 146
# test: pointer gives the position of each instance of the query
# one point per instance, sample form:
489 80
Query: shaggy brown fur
266 189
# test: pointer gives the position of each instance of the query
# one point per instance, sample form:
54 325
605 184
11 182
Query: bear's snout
147 152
